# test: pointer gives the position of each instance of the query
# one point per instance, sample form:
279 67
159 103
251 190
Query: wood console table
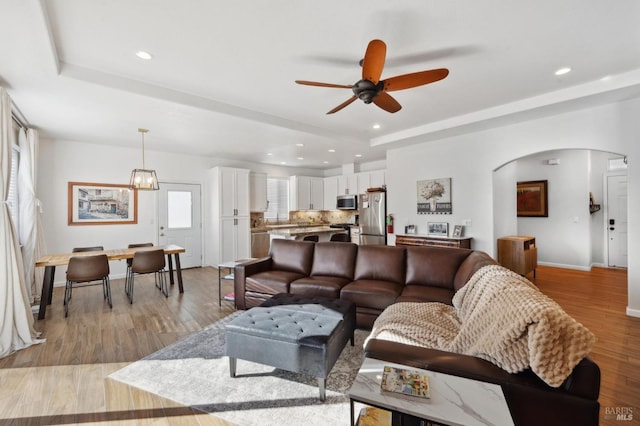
50 261
427 240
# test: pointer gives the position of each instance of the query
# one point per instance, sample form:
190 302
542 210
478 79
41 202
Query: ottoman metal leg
323 393
232 366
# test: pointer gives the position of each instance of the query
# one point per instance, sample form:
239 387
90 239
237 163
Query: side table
454 400
230 265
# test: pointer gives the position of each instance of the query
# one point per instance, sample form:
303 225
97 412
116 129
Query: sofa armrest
244 270
530 400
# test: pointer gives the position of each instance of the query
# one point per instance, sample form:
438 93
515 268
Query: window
179 209
12 199
277 198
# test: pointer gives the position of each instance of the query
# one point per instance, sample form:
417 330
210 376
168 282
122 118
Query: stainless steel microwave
347 202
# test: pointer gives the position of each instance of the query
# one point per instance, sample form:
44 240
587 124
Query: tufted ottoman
295 333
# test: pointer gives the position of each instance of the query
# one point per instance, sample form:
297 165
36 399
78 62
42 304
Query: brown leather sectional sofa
374 277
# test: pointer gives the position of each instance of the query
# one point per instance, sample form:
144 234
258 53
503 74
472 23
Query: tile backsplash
320 216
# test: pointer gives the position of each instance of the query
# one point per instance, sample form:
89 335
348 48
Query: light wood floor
64 381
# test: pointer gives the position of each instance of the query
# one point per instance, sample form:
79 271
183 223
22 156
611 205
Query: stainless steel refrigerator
372 211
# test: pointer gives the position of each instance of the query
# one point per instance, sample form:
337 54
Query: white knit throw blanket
498 316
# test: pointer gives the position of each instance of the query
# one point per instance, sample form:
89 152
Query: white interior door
617 220
179 220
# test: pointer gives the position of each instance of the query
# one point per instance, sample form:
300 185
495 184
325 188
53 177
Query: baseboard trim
633 312
562 265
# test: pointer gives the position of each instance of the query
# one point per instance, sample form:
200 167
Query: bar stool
343 238
148 262
84 269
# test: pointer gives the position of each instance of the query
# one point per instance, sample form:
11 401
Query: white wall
470 160
61 162
564 237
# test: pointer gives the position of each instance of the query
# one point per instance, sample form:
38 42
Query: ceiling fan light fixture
143 179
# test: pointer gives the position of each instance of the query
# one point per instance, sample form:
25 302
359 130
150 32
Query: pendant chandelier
143 179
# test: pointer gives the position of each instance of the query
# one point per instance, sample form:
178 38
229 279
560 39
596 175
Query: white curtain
30 235
16 319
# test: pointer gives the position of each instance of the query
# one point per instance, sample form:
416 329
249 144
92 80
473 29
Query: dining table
50 261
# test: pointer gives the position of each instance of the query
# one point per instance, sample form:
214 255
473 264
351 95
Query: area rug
194 372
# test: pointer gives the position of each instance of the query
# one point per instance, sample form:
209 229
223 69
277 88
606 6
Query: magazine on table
405 381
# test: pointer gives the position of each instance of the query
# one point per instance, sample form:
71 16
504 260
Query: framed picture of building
101 204
438 229
531 199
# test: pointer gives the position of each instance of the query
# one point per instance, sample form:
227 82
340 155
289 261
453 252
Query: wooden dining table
50 261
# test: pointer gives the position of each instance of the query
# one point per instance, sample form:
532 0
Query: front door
179 220
617 220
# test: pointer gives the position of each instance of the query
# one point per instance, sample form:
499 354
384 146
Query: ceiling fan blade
407 81
344 104
315 83
387 102
373 61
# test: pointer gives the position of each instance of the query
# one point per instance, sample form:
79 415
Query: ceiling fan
371 89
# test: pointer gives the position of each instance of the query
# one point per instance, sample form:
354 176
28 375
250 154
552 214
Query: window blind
278 198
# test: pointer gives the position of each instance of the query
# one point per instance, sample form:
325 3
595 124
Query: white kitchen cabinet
258 192
377 179
330 192
347 184
234 191
235 238
228 235
366 180
306 193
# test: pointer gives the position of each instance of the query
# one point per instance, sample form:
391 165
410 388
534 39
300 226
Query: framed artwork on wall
458 231
532 199
101 204
434 196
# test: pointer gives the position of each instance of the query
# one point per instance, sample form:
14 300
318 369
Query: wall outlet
466 222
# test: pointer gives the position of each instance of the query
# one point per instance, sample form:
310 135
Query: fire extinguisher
390 224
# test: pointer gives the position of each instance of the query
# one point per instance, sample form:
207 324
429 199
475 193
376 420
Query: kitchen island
323 232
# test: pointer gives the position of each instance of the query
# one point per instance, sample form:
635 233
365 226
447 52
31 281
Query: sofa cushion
371 293
271 282
334 259
292 255
380 263
424 293
432 266
319 286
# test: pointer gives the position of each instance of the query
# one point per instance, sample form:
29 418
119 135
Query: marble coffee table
454 400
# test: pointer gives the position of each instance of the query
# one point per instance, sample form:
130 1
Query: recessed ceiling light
325 162
144 55
376 126
300 158
283 162
358 155
332 150
299 144
563 71
269 154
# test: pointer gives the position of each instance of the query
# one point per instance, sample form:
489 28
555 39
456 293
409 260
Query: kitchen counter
292 233
269 227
